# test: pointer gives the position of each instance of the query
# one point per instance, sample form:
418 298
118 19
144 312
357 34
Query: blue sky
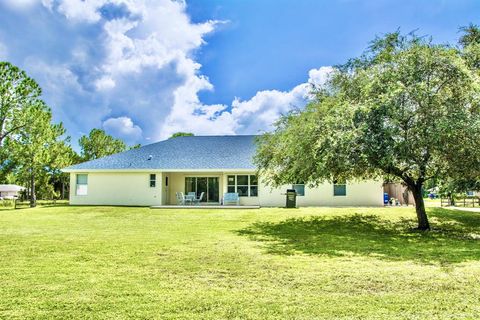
143 69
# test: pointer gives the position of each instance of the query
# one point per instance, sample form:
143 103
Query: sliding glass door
208 185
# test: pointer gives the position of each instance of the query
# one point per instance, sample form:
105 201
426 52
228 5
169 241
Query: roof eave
72 170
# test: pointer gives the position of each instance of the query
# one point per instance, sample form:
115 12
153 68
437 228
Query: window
166 181
244 185
153 180
82 184
253 186
299 188
231 182
339 188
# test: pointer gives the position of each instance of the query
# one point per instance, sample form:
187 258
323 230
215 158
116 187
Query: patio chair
231 199
196 201
180 198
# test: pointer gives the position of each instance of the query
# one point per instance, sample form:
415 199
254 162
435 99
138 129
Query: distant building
10 190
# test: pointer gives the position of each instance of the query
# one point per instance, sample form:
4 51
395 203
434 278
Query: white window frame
299 184
340 184
81 189
154 180
249 185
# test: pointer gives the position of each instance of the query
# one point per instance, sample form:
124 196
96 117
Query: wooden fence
460 202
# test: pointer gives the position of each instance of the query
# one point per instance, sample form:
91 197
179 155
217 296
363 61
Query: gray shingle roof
196 152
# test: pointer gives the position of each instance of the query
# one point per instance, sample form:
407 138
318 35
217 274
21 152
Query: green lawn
309 263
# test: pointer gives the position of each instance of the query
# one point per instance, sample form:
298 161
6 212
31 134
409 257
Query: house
153 174
8 191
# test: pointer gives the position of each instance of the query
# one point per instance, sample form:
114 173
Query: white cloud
124 128
164 35
247 117
80 10
135 58
319 76
104 83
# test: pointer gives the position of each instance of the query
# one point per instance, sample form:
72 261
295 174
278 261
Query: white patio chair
196 201
180 198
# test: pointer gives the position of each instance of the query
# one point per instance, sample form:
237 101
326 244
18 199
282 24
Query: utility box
291 198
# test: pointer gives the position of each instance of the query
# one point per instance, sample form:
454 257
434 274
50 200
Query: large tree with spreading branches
406 109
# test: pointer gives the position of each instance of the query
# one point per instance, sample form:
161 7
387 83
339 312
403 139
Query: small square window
231 180
300 189
242 180
253 191
231 189
339 190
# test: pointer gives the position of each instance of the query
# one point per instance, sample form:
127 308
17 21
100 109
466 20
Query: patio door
208 185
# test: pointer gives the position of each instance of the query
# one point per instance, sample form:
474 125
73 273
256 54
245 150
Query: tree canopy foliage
19 95
99 144
38 151
181 134
407 108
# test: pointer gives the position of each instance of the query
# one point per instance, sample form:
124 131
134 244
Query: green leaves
18 93
99 144
406 108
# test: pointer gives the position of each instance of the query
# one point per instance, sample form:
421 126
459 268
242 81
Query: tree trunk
420 207
33 200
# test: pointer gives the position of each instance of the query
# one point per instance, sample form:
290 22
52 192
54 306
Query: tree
36 149
471 35
18 94
99 144
406 109
470 43
181 134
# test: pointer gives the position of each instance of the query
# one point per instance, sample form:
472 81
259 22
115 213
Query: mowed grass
308 263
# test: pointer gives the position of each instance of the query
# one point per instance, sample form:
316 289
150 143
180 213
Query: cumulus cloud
80 10
134 58
247 117
104 83
124 128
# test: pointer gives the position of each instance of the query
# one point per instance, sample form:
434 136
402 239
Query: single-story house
9 191
152 175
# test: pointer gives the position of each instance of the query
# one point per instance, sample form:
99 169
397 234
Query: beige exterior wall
132 188
118 188
366 193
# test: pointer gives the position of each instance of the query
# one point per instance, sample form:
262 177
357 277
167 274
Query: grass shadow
455 237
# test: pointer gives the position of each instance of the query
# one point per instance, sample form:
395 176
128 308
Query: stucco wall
122 188
118 188
365 193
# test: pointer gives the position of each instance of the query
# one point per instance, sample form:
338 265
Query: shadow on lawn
455 237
